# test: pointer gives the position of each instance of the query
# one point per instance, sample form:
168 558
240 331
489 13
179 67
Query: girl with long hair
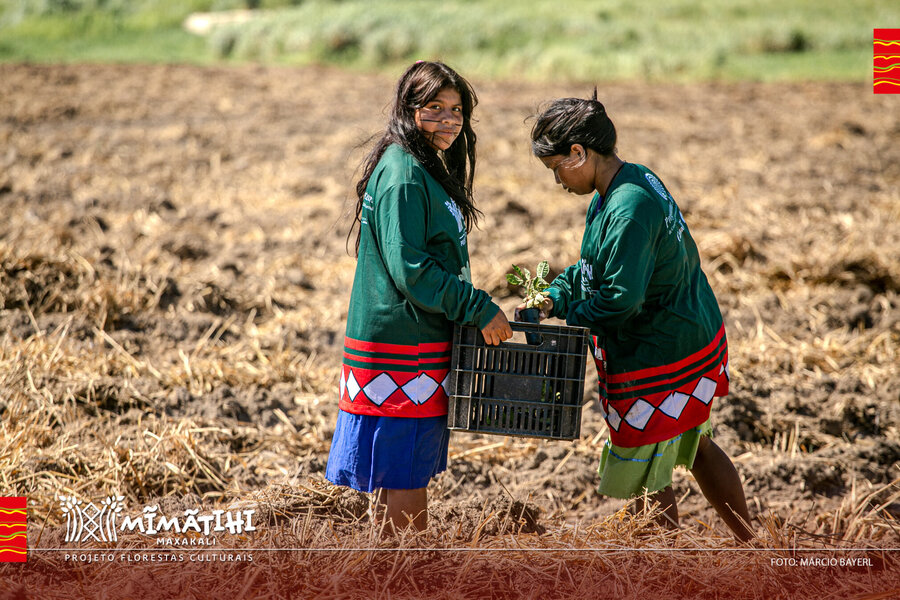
412 283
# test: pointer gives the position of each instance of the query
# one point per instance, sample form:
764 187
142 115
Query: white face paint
570 172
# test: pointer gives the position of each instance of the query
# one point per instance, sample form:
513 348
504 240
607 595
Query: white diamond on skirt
674 404
639 413
613 419
705 389
419 389
352 386
380 388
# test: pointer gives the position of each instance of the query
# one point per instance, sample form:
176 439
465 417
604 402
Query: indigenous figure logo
89 522
13 515
887 61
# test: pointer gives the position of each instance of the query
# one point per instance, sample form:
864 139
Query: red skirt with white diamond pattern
657 404
395 380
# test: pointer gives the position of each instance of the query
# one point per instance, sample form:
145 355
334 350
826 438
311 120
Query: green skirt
628 472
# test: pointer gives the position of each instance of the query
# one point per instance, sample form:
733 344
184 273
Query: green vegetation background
534 39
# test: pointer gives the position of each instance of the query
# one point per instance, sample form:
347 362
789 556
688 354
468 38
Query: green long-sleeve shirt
412 283
639 288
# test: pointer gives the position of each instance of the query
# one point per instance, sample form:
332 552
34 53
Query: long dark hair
569 121
455 170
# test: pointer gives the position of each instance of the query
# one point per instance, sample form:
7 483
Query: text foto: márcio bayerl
820 561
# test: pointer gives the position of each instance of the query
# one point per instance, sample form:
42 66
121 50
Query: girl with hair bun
412 283
657 333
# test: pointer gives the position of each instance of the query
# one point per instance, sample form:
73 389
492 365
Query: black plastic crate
523 389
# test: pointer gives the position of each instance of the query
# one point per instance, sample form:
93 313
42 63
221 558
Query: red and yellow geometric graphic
887 61
13 545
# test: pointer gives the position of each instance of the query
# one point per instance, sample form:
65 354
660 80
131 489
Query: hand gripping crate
521 389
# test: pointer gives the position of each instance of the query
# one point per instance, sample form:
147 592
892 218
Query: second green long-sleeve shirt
656 325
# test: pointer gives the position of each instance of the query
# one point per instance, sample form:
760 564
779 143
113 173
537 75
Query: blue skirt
395 453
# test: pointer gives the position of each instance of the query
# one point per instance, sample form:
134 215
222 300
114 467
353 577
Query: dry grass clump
57 279
90 423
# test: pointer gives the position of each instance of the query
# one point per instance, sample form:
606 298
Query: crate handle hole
521 338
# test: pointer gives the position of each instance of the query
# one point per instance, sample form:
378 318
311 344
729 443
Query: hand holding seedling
544 310
534 288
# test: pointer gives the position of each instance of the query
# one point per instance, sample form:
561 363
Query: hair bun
569 121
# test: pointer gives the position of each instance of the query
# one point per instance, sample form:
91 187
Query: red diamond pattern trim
394 393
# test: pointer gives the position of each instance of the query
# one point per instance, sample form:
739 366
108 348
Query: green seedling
534 286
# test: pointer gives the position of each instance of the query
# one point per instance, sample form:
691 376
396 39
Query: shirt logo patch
587 277
657 185
466 274
674 220
368 204
460 221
